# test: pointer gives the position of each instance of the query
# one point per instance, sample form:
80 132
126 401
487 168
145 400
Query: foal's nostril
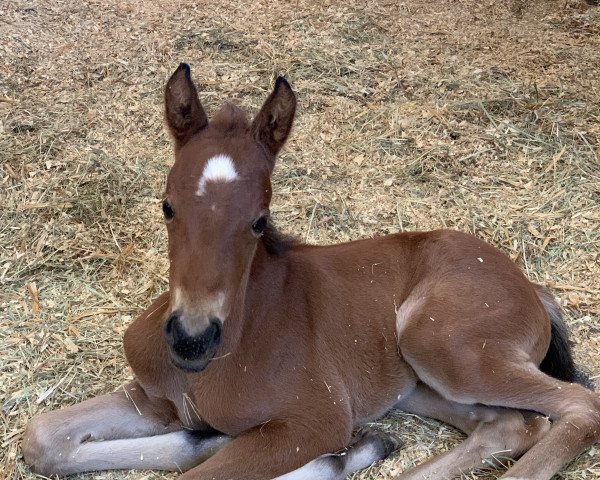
217 327
168 326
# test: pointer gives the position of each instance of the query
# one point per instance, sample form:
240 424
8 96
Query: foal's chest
233 398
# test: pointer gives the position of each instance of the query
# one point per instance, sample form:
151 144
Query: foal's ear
273 123
183 110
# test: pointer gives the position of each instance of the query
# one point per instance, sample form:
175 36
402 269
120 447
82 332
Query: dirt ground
482 116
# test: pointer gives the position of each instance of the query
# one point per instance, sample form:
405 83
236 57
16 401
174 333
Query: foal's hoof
385 443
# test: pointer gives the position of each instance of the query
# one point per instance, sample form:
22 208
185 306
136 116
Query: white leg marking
219 168
311 471
172 451
360 458
175 451
338 466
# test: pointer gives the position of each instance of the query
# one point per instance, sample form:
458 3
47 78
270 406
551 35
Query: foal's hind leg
494 433
575 412
114 431
469 378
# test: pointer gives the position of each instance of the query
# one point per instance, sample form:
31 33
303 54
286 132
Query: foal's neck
262 280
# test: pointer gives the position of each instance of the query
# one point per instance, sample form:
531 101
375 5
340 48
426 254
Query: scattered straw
476 115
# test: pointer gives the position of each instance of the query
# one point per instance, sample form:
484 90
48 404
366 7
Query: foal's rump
472 309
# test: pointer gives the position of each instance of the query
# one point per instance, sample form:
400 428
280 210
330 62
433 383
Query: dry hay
480 116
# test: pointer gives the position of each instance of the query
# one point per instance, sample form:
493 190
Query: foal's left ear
183 110
273 123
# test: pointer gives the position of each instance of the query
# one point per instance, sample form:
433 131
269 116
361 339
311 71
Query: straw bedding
481 116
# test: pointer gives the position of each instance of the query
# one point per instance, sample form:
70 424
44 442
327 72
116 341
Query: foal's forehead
217 169
224 153
225 165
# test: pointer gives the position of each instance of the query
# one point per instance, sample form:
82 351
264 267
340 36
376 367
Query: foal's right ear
183 110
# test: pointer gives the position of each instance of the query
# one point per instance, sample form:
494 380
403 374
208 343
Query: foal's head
216 209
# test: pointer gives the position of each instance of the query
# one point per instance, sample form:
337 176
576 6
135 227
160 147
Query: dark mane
275 242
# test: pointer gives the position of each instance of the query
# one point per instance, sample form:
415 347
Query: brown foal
266 353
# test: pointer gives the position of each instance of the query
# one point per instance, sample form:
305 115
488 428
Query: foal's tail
558 362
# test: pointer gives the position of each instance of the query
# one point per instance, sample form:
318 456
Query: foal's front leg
121 430
368 448
291 452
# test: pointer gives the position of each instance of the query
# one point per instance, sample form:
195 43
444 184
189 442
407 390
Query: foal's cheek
246 246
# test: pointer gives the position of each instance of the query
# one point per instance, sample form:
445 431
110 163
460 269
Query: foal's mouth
191 366
192 353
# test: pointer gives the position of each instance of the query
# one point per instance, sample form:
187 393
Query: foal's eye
259 226
167 210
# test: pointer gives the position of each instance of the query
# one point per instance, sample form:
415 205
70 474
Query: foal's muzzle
192 353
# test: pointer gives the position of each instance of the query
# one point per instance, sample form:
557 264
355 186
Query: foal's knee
40 447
